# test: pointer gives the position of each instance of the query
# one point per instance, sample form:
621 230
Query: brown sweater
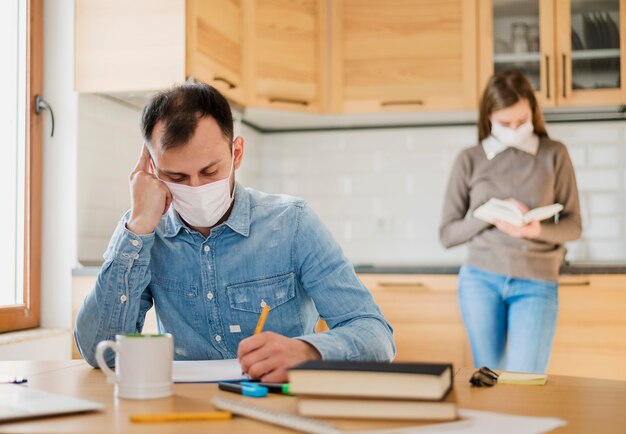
538 180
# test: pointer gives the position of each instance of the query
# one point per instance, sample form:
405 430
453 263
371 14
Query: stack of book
369 390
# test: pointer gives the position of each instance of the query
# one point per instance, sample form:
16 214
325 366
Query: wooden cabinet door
286 46
128 46
591 52
215 45
400 55
423 311
590 339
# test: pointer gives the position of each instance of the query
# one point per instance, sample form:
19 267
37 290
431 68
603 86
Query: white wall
59 166
380 191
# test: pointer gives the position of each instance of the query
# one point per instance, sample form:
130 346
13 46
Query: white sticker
235 328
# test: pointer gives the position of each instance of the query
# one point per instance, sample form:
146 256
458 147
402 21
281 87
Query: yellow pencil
262 318
177 417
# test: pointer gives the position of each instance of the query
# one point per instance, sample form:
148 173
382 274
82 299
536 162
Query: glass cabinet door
590 45
516 38
595 44
520 37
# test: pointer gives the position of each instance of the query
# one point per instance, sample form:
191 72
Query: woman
508 285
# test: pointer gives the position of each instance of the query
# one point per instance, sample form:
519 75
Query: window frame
27 314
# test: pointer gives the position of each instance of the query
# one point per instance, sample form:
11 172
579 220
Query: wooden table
589 406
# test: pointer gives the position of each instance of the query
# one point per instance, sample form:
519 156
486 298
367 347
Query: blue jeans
510 322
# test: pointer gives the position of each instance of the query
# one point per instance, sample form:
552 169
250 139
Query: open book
496 209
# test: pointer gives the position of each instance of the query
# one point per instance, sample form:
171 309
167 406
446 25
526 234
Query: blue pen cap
253 390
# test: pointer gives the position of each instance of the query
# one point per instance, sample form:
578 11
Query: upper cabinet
128 46
572 50
287 53
591 50
214 47
350 56
403 55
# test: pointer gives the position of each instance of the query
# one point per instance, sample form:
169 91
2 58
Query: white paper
486 422
207 371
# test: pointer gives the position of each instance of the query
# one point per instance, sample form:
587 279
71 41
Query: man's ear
238 147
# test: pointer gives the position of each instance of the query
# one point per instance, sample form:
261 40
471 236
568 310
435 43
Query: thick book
371 379
378 409
496 209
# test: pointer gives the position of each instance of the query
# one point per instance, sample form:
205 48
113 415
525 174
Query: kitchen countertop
583 268
575 268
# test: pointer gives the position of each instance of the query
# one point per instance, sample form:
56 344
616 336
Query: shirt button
209 295
136 256
218 338
135 242
123 298
207 249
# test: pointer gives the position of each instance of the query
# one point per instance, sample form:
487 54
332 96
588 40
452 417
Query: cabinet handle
230 84
403 285
400 102
547 77
564 76
576 283
301 102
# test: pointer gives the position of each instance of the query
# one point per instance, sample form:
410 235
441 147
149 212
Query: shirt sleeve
358 330
456 227
568 225
121 298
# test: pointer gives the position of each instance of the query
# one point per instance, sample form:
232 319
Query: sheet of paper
207 371
485 422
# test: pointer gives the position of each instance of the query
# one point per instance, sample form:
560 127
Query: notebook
21 402
388 409
207 371
371 379
522 378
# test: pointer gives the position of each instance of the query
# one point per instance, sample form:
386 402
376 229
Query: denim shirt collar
238 220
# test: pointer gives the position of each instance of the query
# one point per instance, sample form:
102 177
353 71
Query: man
221 252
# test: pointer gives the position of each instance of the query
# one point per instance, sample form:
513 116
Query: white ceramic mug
143 365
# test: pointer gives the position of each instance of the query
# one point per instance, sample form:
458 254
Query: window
20 163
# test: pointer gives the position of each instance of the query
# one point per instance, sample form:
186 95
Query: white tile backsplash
379 191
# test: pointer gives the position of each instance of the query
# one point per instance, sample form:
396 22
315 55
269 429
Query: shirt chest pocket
247 300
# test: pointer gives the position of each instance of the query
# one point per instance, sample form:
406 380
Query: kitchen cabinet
214 46
128 46
571 50
142 46
423 311
287 53
590 339
258 53
403 55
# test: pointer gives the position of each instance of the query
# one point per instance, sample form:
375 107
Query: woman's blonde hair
505 89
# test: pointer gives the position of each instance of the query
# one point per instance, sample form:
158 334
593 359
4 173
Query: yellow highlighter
262 318
179 417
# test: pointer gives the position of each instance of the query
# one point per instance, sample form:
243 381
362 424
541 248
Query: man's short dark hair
180 108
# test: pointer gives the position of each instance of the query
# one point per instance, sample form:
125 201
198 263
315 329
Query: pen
262 318
175 417
249 389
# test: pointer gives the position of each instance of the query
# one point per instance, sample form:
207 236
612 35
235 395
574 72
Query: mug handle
100 349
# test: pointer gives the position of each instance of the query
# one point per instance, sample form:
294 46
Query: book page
543 213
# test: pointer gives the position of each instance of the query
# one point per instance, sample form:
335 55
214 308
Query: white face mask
202 206
512 137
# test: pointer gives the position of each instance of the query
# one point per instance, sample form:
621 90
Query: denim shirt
208 292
